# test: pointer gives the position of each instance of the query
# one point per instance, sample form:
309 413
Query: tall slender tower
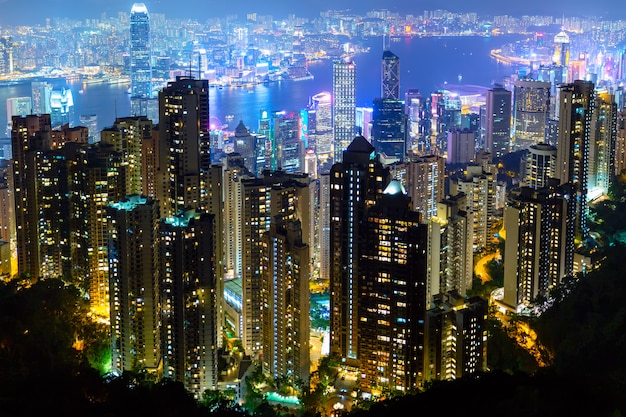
390 88
184 145
498 126
576 110
189 299
133 277
140 57
531 111
602 146
392 293
355 183
344 105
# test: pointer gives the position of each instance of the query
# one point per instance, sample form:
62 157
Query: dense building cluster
179 236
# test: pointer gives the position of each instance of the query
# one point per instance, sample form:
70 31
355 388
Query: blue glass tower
140 57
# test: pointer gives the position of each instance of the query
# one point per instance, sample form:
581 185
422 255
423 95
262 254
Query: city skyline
194 9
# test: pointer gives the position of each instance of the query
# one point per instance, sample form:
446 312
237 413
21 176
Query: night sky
35 11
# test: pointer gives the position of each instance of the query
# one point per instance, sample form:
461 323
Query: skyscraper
389 129
134 285
538 253
391 293
450 254
602 146
355 183
390 86
531 110
540 165
184 145
344 106
286 270
275 193
189 296
498 125
140 58
561 49
321 126
576 110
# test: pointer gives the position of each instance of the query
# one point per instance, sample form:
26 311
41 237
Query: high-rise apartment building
620 143
134 271
423 178
98 180
286 271
540 164
344 106
189 300
184 145
531 111
479 184
450 253
17 106
498 123
456 337
576 109
41 93
391 291
275 193
30 136
355 183
140 58
602 145
538 252
127 137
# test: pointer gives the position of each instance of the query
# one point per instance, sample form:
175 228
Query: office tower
555 75
390 86
41 93
578 68
620 143
127 136
479 184
91 122
98 180
17 106
461 146
602 145
245 145
498 124
456 337
576 109
133 230
189 301
450 253
286 271
414 108
531 110
540 164
392 293
538 253
184 145
263 198
344 105
355 183
364 117
321 126
61 108
288 148
389 129
561 49
423 179
140 58
30 136
482 117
